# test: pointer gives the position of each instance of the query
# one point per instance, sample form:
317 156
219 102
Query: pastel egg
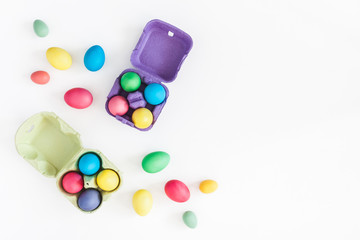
108 180
130 81
142 118
79 98
94 58
40 28
142 202
118 105
177 191
154 94
89 163
40 77
208 186
155 162
72 182
59 58
89 200
190 219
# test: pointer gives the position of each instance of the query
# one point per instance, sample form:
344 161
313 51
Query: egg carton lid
161 50
47 142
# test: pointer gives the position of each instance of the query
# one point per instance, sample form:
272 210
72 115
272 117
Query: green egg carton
52 147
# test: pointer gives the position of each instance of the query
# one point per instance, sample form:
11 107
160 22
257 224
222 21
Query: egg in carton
84 176
138 94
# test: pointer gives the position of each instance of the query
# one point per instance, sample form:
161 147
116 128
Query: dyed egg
94 58
59 58
118 105
154 94
78 98
177 191
89 200
155 162
208 186
142 118
40 28
130 81
108 180
40 77
142 202
72 182
190 219
89 163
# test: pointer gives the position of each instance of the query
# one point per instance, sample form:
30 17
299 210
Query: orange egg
40 77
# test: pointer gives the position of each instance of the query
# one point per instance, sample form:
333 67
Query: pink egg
40 77
78 98
118 105
72 182
177 191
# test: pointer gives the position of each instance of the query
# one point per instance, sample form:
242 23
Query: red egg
78 98
40 77
177 191
118 105
72 182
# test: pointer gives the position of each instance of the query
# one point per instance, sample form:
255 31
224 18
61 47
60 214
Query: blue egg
154 94
89 163
94 58
89 200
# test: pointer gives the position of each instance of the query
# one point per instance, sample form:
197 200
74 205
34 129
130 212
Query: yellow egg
142 118
142 202
58 58
108 180
208 186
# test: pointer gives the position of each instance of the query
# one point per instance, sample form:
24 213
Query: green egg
155 162
190 219
130 81
40 28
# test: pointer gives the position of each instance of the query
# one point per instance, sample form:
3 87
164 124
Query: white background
267 103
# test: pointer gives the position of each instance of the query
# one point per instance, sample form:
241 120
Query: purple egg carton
157 58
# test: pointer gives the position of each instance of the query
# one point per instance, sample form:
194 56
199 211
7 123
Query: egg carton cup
157 58
53 148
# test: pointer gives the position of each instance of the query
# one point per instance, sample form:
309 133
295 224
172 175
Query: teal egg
155 162
40 28
190 219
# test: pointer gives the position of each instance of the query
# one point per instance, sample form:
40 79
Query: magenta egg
78 98
40 77
177 191
118 105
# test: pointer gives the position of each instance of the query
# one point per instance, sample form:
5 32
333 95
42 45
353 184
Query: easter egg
94 58
40 28
208 186
142 202
59 58
130 81
108 180
89 163
177 191
142 118
118 105
190 219
40 77
155 162
89 200
154 94
78 98
72 182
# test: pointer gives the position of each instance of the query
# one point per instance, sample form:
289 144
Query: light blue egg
154 94
94 58
89 163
